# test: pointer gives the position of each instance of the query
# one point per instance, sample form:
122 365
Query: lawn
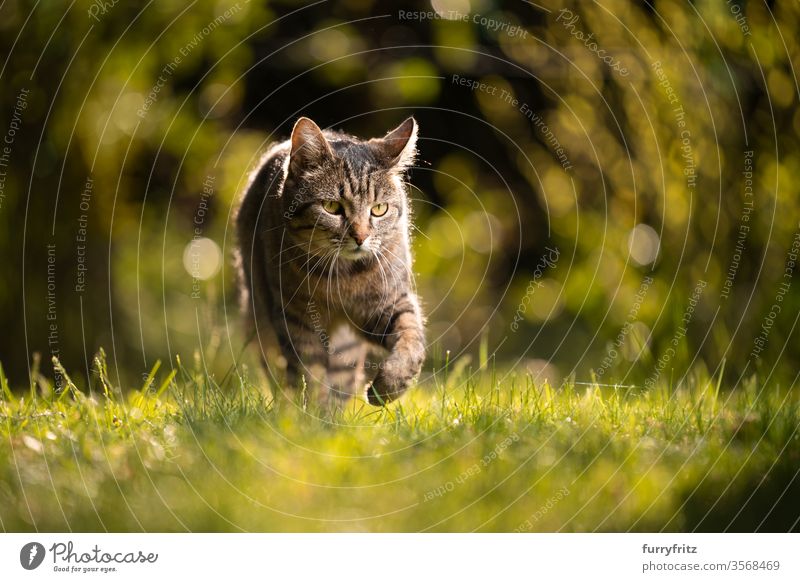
474 449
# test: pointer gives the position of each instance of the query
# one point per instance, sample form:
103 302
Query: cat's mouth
355 253
348 250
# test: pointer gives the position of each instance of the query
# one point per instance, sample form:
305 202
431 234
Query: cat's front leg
346 360
400 330
301 346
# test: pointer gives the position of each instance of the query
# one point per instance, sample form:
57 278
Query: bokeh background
619 192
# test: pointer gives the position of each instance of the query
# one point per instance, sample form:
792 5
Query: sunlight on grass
471 450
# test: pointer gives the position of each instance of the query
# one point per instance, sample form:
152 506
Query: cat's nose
359 238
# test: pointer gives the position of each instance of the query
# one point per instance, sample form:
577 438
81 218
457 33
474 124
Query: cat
325 260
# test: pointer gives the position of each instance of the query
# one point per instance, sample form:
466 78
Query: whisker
415 227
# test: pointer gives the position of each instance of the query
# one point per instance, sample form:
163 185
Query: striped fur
325 273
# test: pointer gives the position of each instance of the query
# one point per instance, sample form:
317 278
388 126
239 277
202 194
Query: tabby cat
323 232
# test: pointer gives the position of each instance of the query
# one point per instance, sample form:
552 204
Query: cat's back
268 176
264 189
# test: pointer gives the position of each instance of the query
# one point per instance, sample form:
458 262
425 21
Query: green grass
471 450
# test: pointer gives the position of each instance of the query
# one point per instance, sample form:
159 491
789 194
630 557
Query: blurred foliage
491 195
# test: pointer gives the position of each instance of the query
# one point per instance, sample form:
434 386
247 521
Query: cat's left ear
399 148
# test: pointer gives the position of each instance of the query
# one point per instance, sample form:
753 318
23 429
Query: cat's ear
309 146
399 148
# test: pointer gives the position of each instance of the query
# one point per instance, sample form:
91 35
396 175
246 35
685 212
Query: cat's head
344 197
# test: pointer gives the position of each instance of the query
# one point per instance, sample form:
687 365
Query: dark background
490 192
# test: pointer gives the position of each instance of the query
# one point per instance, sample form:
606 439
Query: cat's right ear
309 147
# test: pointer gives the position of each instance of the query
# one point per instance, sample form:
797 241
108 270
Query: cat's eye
379 209
332 207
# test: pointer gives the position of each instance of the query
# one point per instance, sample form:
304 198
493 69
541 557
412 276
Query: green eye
380 209
332 207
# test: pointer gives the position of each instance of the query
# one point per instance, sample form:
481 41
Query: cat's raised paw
374 398
378 397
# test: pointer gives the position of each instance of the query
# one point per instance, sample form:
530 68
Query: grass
467 451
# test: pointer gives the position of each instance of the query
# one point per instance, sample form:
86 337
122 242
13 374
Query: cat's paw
381 392
373 397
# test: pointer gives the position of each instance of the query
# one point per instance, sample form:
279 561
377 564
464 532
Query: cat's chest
352 297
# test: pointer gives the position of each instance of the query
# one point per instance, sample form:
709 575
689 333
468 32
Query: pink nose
359 237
